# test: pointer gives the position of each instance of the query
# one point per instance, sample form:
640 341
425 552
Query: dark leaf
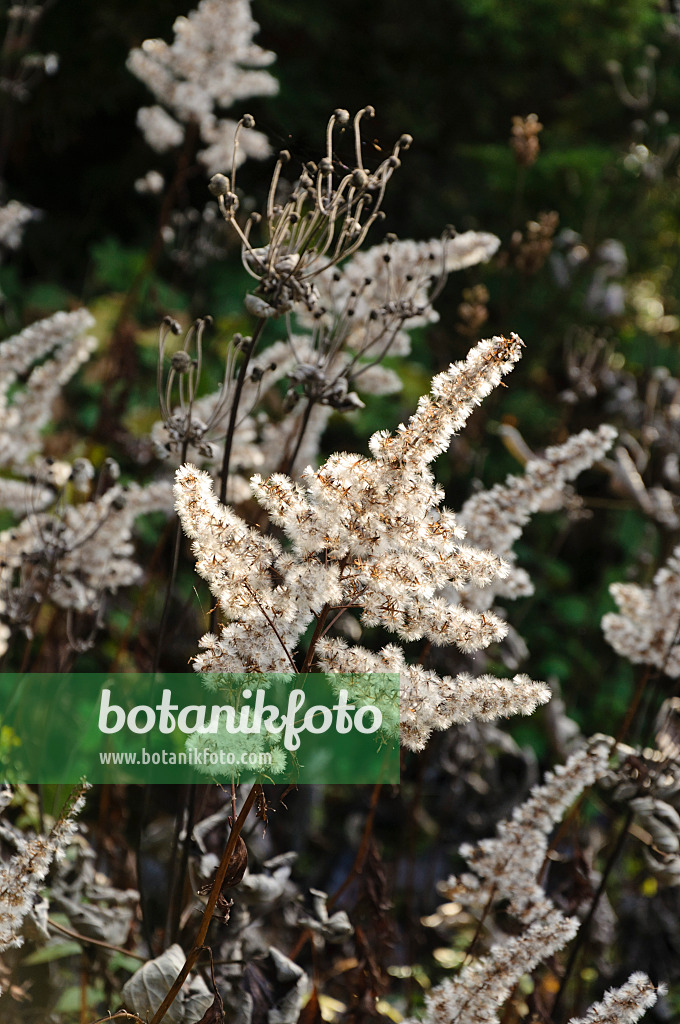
311 1011
215 1013
237 865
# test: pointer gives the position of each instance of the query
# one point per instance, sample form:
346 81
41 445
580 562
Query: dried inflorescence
646 628
473 311
524 139
495 518
211 63
507 869
531 248
14 216
363 533
182 427
366 307
324 220
647 782
34 366
22 68
624 1005
429 702
193 425
75 551
21 876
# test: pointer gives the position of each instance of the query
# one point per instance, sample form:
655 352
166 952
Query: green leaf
53 951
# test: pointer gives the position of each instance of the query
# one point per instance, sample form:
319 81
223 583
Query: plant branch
177 543
233 415
92 942
194 952
583 930
363 848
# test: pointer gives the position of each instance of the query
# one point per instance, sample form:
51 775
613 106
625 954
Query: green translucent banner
296 729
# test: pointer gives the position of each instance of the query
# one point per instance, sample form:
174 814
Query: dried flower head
530 249
524 139
211 63
366 307
20 877
324 220
508 868
647 626
366 533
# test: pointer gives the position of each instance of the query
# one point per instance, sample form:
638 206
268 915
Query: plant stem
119 1015
193 954
240 381
93 942
171 580
185 818
289 462
583 930
362 852
316 636
231 429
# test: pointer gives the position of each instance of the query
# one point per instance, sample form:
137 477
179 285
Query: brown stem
92 942
289 461
480 923
583 930
634 704
363 848
316 636
307 934
341 611
177 544
199 942
231 428
119 1015
300 944
272 624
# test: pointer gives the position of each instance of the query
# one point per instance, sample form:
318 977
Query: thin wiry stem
272 624
288 464
233 415
174 565
583 930
86 940
193 954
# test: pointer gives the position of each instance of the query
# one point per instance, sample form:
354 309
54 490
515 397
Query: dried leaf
215 1012
311 1011
273 990
107 924
237 865
144 992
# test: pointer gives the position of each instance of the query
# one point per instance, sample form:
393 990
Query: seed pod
258 307
181 361
219 185
237 865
